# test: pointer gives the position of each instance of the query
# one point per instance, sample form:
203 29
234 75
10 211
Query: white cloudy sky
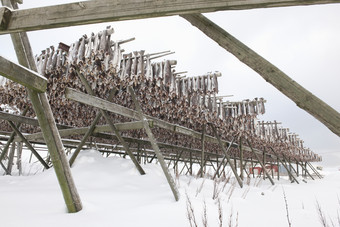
304 42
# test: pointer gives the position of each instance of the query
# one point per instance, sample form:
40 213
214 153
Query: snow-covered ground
114 194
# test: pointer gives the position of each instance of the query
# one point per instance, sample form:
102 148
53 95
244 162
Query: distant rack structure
129 105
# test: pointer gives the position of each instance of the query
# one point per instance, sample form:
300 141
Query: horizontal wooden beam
89 12
99 129
18 119
298 94
121 110
25 120
22 75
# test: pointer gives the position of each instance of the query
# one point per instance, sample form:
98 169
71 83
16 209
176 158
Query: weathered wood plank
46 121
29 146
112 126
115 108
298 94
89 12
5 14
285 166
154 145
263 165
18 118
233 167
22 75
98 129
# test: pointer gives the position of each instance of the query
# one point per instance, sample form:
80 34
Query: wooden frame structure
13 20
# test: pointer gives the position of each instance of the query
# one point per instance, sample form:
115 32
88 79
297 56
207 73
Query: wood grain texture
89 12
22 75
298 94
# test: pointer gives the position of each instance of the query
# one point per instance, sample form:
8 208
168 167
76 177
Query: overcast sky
304 42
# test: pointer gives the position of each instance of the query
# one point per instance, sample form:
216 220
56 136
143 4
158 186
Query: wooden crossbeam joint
22 75
5 15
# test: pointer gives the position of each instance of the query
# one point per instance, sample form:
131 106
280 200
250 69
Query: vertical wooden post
271 168
278 168
11 158
241 158
19 156
47 124
190 160
217 164
202 155
252 166
264 164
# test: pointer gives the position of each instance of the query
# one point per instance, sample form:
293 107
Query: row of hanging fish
244 108
97 55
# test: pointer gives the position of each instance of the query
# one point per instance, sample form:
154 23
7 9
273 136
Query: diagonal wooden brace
233 168
290 88
224 157
88 133
36 154
154 145
22 75
285 166
112 126
261 163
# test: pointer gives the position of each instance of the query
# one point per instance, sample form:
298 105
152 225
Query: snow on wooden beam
298 94
89 12
22 75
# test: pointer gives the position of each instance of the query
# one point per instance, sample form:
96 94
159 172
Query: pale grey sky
304 42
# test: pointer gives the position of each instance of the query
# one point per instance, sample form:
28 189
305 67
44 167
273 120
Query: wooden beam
263 165
285 166
303 168
98 129
202 155
5 14
28 145
223 160
46 121
233 167
18 119
11 137
314 170
89 12
22 75
121 110
89 131
154 145
298 94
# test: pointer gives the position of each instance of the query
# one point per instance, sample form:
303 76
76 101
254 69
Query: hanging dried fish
81 51
140 65
167 73
89 46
